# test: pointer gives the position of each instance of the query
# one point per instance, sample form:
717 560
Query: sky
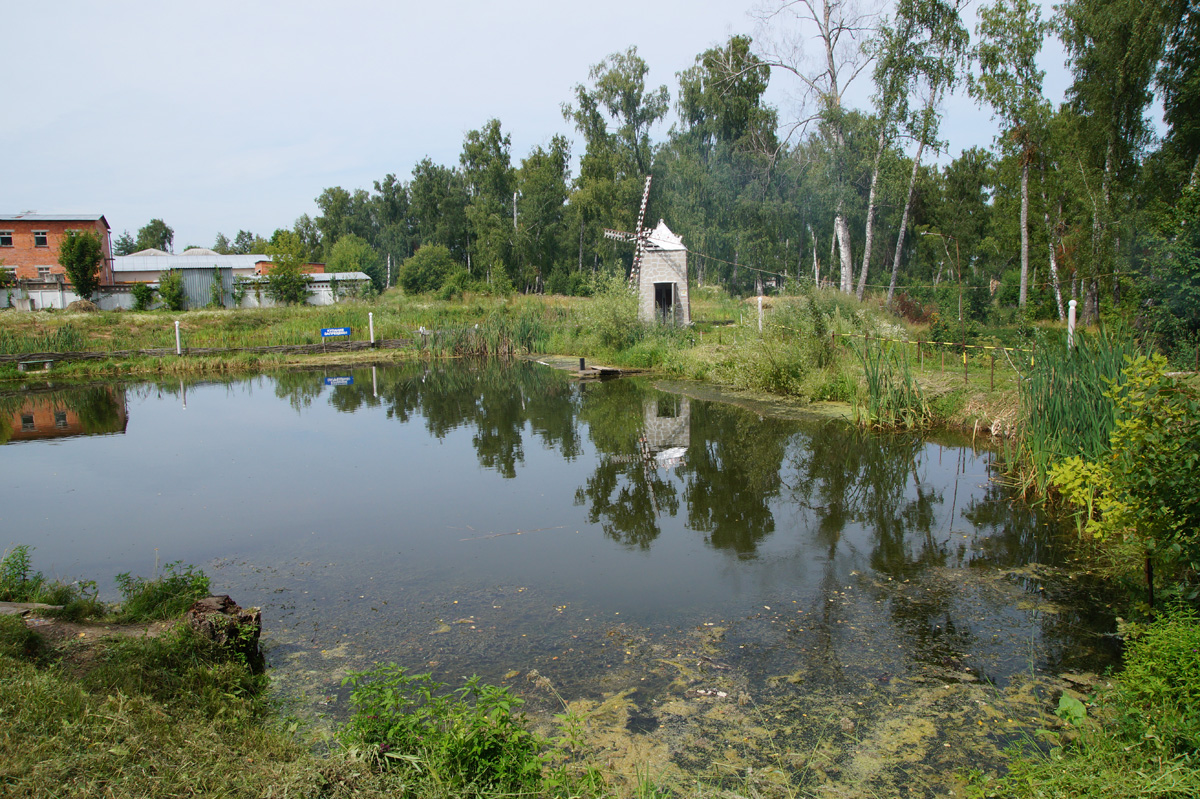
220 116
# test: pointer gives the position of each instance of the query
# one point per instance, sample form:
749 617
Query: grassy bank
128 701
813 345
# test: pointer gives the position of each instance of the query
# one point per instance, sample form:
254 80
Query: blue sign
339 381
326 332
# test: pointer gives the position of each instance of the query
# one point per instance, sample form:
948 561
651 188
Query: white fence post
1071 325
178 349
371 324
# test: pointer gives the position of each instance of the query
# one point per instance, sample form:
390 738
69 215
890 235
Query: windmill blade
619 235
642 236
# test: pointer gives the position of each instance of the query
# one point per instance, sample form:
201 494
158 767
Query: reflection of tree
625 493
733 474
497 398
848 476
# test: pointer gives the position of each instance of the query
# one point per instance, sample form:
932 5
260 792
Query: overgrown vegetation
1139 738
471 741
164 596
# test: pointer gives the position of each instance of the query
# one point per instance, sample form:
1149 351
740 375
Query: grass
807 348
1139 738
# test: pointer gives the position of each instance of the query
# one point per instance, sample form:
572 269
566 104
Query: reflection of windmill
639 237
659 272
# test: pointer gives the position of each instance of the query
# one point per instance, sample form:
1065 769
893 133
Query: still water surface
499 518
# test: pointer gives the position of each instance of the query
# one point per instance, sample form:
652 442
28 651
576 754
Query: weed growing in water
469 740
163 597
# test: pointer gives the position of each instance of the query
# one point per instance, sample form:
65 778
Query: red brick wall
26 258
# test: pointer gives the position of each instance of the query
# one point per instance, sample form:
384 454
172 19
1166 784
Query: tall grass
61 339
891 397
1065 404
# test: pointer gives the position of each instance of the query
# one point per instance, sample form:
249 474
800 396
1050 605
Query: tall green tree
1010 81
80 255
125 244
1113 49
156 234
353 254
491 211
933 59
614 115
543 186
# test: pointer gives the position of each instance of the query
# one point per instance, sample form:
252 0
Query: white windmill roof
662 238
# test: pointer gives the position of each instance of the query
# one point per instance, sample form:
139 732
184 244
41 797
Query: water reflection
417 484
54 413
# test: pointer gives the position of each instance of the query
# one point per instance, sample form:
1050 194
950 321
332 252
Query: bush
427 270
164 597
170 289
471 737
143 296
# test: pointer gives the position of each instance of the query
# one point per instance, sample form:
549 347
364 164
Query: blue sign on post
339 381
326 332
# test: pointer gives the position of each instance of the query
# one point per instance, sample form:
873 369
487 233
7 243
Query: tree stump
225 623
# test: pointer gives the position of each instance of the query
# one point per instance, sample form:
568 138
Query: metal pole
371 324
178 349
1071 325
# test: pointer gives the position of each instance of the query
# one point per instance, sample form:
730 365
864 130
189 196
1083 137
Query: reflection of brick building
668 427
68 413
29 244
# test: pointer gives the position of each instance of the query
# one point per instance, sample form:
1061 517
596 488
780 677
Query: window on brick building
6 238
43 273
41 238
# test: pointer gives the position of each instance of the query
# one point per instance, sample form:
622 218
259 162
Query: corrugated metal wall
197 286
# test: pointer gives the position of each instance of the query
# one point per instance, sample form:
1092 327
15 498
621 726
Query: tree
427 269
491 183
353 254
287 283
80 255
124 245
840 29
936 63
1010 34
156 235
1113 48
541 232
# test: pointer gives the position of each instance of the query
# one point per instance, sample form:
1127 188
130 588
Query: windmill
639 237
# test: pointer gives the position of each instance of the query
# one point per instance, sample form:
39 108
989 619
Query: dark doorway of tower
666 298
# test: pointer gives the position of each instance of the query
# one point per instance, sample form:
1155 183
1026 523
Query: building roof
195 251
152 260
32 217
661 238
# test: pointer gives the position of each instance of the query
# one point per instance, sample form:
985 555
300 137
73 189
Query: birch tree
840 28
1009 80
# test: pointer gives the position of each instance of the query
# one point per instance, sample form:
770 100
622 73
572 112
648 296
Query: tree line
1084 201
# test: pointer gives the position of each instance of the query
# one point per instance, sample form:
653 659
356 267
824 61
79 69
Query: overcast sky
217 116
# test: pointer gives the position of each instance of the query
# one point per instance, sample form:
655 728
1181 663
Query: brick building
29 244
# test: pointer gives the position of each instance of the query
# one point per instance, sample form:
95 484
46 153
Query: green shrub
143 296
18 581
471 739
163 597
170 290
427 270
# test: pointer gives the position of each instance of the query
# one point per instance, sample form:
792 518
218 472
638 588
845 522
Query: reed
891 397
1066 404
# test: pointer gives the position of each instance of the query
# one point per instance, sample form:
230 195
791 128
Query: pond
716 591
